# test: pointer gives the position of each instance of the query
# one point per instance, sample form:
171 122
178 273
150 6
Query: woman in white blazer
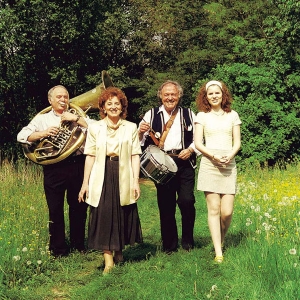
111 179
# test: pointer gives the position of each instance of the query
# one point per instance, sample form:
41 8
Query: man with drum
61 177
171 128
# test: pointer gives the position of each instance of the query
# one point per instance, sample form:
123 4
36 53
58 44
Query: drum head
163 158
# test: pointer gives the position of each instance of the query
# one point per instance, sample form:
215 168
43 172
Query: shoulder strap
167 129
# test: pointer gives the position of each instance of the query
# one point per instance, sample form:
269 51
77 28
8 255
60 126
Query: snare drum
157 165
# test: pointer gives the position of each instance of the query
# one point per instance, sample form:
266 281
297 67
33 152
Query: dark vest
157 123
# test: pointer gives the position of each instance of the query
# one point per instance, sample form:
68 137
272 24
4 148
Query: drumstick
152 133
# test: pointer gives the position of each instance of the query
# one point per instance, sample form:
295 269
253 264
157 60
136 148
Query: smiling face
214 97
59 99
169 97
113 108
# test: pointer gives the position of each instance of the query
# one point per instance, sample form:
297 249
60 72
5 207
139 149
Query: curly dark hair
109 93
203 104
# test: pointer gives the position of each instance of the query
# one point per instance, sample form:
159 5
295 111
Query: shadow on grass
140 252
231 240
234 239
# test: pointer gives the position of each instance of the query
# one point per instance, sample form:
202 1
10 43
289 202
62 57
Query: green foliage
142 44
270 123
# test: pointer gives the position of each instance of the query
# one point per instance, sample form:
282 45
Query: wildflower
16 257
25 249
43 252
214 287
265 197
28 262
293 251
267 215
39 262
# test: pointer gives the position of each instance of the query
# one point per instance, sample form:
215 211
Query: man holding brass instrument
63 176
170 128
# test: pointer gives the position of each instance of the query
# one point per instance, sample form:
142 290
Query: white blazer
96 145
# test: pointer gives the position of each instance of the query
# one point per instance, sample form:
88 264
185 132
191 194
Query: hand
221 160
136 189
84 193
51 131
67 116
144 127
185 154
225 160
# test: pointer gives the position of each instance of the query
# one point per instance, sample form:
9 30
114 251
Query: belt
173 152
115 158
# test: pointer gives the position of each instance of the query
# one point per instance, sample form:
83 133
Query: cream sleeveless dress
213 177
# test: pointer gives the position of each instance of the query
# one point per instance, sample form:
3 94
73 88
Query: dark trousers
181 186
59 179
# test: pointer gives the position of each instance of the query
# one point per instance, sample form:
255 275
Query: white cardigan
96 145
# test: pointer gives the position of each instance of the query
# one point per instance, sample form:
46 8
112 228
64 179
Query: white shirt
173 139
41 122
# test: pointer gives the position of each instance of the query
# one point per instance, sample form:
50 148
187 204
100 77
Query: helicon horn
70 137
87 101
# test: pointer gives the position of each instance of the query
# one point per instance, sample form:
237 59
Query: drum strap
167 129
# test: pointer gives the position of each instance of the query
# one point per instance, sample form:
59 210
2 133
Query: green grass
261 257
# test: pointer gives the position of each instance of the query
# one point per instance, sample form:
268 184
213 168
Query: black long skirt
112 226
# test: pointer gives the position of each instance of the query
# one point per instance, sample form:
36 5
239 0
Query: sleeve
90 144
236 119
136 147
192 145
199 118
147 119
26 131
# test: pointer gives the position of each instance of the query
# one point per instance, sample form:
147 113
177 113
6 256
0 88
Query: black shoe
187 247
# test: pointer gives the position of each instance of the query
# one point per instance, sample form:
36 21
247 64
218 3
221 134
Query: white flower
293 251
25 249
265 196
28 262
39 262
16 257
214 287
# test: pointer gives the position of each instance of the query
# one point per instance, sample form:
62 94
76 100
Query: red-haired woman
218 137
111 179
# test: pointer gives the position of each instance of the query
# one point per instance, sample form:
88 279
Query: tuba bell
70 137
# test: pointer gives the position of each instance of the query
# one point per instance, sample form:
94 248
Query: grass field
261 257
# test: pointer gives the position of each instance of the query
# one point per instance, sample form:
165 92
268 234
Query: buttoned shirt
173 140
41 122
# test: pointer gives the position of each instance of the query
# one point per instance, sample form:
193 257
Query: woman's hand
84 193
221 160
136 189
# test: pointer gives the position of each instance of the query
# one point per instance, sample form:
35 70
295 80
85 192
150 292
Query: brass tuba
70 137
